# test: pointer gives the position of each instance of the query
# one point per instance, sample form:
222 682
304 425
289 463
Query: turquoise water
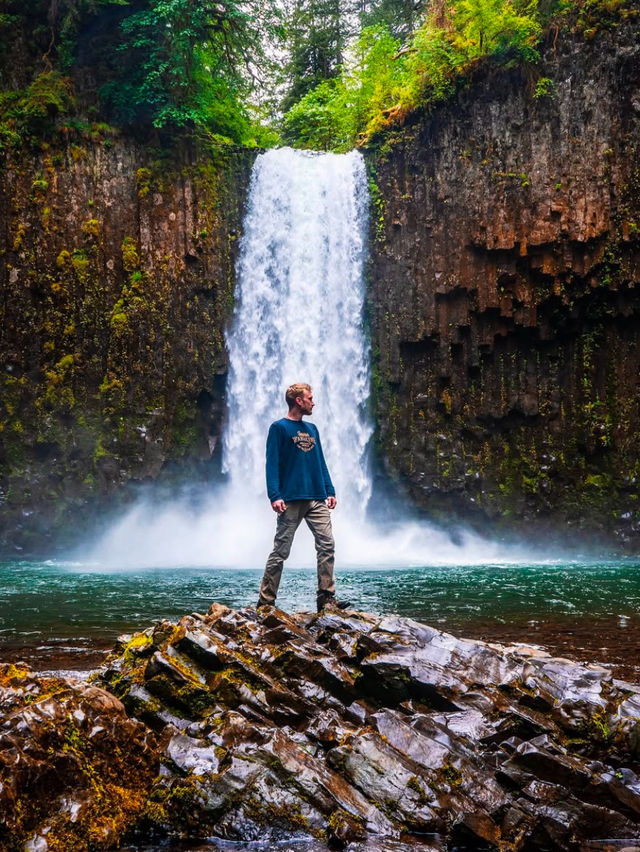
52 609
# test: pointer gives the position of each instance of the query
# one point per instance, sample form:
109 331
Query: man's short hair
294 391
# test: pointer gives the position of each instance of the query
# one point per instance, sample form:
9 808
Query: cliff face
117 283
503 302
504 293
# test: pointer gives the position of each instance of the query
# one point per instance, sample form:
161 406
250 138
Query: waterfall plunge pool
64 615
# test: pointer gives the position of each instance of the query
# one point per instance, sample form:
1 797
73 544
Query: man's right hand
278 506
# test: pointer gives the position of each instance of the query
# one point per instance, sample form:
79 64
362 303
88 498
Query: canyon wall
504 294
117 283
503 303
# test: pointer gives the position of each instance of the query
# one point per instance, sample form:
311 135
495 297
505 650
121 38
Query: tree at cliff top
317 32
320 34
384 78
399 17
144 64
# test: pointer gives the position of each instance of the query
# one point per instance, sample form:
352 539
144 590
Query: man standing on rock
299 488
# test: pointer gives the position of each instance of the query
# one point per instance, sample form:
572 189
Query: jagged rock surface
75 771
504 291
353 728
344 730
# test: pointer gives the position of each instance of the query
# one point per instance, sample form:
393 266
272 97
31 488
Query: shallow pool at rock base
62 615
303 845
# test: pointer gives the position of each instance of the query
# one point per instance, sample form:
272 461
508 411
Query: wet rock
509 213
192 755
72 764
342 828
344 729
402 728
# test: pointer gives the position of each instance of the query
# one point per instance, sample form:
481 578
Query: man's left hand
331 502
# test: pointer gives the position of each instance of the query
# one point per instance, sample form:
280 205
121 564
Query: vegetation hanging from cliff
29 115
153 64
388 75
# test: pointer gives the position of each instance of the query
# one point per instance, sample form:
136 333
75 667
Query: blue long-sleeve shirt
296 469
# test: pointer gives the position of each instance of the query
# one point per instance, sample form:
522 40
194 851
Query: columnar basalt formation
504 297
340 730
117 284
503 306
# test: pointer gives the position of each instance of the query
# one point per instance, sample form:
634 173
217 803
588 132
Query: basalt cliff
117 278
504 292
505 254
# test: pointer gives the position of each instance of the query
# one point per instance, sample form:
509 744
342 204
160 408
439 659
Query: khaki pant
316 514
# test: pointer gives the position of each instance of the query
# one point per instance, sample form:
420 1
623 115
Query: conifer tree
317 34
399 17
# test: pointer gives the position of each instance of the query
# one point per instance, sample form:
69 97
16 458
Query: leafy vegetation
28 114
385 78
154 64
323 74
178 65
317 32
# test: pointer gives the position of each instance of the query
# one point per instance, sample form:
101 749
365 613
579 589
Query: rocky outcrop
504 291
117 283
344 728
74 769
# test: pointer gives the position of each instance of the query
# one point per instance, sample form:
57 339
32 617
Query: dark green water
55 613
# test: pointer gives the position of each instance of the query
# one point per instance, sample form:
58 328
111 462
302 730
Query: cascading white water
299 315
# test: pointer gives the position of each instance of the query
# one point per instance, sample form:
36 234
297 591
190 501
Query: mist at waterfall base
227 532
299 316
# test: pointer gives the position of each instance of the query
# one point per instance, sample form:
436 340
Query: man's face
305 402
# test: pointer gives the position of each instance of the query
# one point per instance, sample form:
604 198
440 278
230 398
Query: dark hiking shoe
331 602
263 602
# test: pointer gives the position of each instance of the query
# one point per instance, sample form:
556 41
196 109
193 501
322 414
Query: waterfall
299 316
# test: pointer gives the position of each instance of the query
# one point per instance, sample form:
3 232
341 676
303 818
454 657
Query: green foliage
545 88
263 133
350 71
315 121
486 27
31 115
171 68
316 36
397 17
596 15
386 81
184 65
73 17
377 78
335 112
175 65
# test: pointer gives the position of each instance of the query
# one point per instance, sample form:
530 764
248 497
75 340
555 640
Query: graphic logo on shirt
304 441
